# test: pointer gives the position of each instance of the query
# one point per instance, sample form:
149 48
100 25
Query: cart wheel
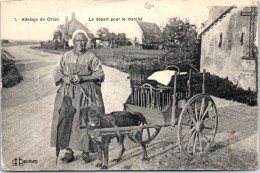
197 125
148 134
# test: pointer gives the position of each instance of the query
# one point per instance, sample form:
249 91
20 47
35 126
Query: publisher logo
21 162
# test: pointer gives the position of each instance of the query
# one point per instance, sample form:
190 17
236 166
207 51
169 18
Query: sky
156 11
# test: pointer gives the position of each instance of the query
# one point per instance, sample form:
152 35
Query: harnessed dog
96 120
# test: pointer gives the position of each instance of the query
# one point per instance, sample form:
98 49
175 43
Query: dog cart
182 103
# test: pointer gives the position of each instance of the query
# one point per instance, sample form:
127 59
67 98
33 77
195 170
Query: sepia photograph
128 85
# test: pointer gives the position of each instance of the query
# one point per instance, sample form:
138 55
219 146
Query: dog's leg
119 157
105 152
100 158
138 137
145 156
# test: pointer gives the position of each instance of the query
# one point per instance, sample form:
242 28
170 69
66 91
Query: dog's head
94 118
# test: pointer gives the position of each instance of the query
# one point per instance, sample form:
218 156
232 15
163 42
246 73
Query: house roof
149 29
216 14
71 26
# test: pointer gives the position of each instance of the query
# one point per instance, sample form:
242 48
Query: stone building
229 45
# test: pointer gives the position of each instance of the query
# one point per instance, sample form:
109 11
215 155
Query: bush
223 88
53 45
5 41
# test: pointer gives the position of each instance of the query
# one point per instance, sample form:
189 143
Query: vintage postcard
92 85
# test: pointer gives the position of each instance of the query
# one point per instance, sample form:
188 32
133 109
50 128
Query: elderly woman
79 74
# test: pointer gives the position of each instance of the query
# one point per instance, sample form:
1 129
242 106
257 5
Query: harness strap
116 127
83 92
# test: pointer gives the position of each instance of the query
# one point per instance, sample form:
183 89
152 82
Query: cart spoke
211 128
206 111
210 118
200 142
188 133
194 145
205 137
192 136
194 121
188 124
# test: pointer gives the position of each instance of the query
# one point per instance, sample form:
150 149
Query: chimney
66 19
72 15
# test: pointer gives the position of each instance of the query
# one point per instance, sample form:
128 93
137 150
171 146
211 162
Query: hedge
223 88
10 74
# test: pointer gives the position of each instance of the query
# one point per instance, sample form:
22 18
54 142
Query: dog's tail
140 117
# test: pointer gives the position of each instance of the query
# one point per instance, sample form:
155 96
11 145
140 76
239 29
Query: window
220 40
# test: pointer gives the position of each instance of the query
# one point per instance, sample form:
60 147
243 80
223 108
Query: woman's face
80 42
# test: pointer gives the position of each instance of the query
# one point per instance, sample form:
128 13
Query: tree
103 33
115 40
180 38
112 38
57 35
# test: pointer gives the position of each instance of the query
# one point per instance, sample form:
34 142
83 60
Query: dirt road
27 114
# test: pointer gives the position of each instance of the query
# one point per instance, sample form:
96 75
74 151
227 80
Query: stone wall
224 46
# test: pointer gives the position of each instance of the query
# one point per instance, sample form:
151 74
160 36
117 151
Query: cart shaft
129 128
